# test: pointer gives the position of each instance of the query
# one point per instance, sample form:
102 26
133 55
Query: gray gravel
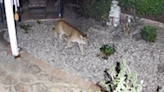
141 56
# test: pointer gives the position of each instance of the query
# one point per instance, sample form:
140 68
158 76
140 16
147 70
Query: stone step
52 9
52 15
51 3
38 16
37 10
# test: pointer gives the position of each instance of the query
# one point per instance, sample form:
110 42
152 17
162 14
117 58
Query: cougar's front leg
60 36
81 48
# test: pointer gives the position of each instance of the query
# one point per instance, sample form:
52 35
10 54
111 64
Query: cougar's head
84 39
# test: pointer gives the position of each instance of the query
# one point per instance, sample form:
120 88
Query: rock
137 37
3 53
35 69
39 87
8 89
56 80
63 88
45 76
116 38
23 65
58 88
23 62
161 68
10 80
2 72
3 42
1 85
27 79
10 66
20 87
55 90
74 89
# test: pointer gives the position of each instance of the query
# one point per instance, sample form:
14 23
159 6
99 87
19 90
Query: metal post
59 8
11 26
1 8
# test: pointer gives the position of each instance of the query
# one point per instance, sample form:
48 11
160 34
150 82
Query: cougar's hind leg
55 31
68 42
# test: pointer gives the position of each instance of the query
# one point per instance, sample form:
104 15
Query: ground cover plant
149 33
106 50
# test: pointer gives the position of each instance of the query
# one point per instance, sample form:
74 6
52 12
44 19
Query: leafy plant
126 27
38 21
121 79
25 27
104 17
149 33
160 89
107 49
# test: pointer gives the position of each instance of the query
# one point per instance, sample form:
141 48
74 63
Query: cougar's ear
84 35
81 36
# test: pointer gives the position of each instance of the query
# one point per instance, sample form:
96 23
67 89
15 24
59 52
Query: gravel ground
141 56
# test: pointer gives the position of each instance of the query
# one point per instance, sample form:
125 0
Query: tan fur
74 35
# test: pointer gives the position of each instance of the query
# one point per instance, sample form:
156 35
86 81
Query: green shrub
107 49
149 33
95 9
144 7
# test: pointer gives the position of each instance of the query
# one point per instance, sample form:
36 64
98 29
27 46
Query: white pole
1 1
18 4
11 26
